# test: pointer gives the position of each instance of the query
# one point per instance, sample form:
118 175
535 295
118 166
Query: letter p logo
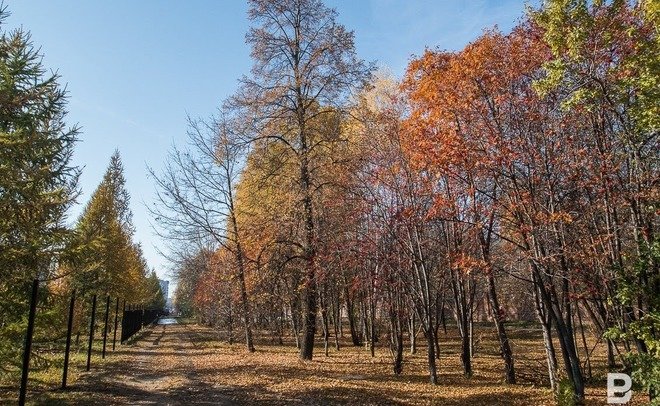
613 389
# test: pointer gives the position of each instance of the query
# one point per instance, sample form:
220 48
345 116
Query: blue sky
135 69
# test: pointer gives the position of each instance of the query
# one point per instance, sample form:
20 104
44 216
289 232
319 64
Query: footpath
157 369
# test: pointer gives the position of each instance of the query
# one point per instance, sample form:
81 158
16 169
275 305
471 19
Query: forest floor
187 364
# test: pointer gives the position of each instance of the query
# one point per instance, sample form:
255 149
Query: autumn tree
452 131
400 241
188 268
267 200
604 65
154 298
305 66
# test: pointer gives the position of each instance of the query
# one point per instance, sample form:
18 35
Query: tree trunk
443 319
355 337
339 317
309 319
436 341
336 319
551 355
611 363
546 326
438 315
584 341
499 317
433 374
462 319
471 329
372 328
325 324
412 333
230 323
567 344
245 306
280 327
364 323
396 341
465 353
310 291
294 325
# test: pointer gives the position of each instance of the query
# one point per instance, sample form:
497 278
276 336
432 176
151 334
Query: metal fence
133 318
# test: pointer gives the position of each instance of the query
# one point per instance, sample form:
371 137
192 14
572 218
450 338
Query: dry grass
190 364
46 367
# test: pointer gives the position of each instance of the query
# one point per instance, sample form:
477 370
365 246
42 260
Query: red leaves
459 102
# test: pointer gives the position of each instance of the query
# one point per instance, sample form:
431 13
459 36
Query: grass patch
47 367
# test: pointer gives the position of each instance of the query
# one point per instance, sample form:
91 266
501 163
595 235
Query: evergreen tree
115 183
37 180
108 260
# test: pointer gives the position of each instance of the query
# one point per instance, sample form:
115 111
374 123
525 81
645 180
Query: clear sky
135 68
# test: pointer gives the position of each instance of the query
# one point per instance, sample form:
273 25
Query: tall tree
37 181
196 197
305 66
105 258
457 115
188 271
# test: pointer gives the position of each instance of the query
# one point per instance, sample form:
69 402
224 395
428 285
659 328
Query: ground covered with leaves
188 364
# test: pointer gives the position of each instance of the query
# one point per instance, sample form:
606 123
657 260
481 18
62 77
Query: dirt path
158 369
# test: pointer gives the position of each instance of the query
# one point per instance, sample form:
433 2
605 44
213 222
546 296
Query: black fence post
91 334
114 337
28 342
123 323
67 349
105 325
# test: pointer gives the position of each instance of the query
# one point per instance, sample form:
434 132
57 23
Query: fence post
91 333
105 326
67 349
123 324
28 343
114 337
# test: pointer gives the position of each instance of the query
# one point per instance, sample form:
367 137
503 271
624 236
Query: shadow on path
151 371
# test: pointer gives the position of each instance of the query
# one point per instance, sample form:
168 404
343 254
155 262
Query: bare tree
196 196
